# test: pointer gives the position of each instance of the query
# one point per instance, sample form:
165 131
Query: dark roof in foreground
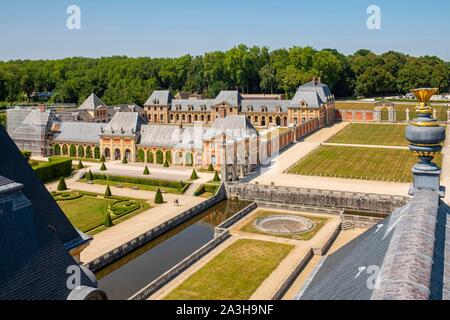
15 167
35 263
407 251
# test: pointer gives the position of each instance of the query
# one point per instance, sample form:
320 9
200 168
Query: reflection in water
128 275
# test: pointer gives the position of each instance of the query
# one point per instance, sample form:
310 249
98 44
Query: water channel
128 275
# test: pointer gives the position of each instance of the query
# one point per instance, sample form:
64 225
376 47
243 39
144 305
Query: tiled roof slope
14 166
34 264
79 132
124 124
407 250
91 103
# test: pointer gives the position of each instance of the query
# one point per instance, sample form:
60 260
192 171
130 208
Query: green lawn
373 134
235 273
87 211
319 222
359 163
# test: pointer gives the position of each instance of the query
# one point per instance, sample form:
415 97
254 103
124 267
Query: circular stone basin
283 224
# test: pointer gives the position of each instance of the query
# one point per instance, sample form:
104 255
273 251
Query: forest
121 79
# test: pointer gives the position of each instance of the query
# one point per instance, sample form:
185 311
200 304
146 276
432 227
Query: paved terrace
275 171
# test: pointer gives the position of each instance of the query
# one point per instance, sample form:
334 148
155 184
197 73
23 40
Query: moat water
131 273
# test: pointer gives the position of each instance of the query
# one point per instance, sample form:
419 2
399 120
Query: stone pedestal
407 114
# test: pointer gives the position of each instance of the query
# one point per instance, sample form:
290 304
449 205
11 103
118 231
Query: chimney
42 107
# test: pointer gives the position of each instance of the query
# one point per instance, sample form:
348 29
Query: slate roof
271 105
408 248
34 261
231 97
30 123
15 167
196 105
236 127
313 93
91 103
124 124
172 136
159 97
88 132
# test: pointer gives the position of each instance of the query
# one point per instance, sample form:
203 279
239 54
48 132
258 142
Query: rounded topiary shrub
146 171
108 192
103 167
216 177
194 175
61 184
158 197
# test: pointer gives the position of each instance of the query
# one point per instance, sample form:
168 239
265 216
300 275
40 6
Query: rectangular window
213 160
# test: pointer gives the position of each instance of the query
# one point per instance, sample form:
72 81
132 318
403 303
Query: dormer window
264 109
190 107
155 101
278 109
249 108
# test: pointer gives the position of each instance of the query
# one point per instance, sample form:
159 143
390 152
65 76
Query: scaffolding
31 129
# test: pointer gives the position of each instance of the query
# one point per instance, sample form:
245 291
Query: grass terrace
358 163
235 273
87 210
371 134
169 186
318 224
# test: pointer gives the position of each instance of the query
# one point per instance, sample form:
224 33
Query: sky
170 28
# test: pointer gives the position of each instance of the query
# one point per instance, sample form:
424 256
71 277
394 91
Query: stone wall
148 236
328 199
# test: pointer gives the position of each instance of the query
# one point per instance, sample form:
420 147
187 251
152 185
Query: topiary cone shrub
146 171
124 160
216 177
108 221
80 165
103 167
89 176
102 158
194 175
158 197
166 164
210 167
108 192
61 184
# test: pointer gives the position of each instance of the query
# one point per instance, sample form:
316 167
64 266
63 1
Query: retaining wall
148 236
330 199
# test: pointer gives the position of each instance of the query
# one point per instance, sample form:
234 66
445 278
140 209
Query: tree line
121 79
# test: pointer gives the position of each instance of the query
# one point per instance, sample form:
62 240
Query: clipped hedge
212 188
53 169
136 180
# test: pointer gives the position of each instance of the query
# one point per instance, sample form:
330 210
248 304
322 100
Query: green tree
141 155
73 150
97 153
166 164
158 197
159 157
108 192
80 151
210 167
103 167
108 221
56 150
124 160
61 184
89 176
146 171
216 176
80 165
194 175
102 158
150 156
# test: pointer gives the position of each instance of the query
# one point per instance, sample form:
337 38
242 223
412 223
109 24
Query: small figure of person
176 203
